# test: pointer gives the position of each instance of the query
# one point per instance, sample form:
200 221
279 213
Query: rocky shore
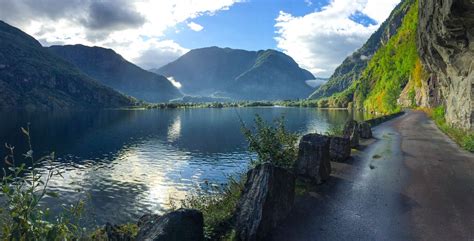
268 195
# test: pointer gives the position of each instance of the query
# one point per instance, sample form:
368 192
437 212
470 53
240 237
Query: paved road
410 183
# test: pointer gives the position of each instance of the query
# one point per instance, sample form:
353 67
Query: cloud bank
134 28
319 41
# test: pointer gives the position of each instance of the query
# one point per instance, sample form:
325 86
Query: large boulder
313 157
355 138
349 127
266 200
340 148
365 131
351 130
179 225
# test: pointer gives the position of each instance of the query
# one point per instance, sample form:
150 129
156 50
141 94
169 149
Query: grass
464 139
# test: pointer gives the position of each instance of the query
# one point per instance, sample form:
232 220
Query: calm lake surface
130 162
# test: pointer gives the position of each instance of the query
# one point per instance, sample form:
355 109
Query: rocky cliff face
446 48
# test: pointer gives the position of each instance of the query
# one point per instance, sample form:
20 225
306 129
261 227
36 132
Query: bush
468 142
272 143
217 206
24 188
464 138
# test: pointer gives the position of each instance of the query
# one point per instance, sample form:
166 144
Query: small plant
335 130
218 207
23 189
272 143
468 142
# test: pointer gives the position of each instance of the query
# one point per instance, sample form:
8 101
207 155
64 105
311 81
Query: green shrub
272 143
335 130
218 207
464 138
468 142
24 188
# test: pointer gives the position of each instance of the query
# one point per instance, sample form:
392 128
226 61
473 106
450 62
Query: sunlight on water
127 163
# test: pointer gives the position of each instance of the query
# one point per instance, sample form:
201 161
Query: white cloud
308 3
195 27
134 28
319 41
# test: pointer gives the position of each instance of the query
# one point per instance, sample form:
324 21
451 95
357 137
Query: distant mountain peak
241 74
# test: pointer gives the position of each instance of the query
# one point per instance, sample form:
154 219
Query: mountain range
111 69
239 74
33 78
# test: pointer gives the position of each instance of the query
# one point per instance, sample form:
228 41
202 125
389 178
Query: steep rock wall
445 44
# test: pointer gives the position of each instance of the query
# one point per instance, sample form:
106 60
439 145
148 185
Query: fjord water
129 162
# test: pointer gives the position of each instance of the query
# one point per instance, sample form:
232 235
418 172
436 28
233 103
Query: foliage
272 143
464 138
335 130
24 188
352 67
389 69
127 230
218 207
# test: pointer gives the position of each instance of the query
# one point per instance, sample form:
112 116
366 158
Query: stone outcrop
266 200
179 225
446 48
351 130
365 131
340 149
313 158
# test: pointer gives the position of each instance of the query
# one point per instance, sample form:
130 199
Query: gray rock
313 158
266 200
179 225
445 46
365 131
340 149
355 137
351 130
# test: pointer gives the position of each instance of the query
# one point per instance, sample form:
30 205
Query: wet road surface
410 183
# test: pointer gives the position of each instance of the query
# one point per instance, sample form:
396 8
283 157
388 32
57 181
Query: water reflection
131 162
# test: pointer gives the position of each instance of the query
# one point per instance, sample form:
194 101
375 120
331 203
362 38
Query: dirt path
411 183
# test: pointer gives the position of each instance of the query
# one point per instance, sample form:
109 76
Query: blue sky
318 34
248 25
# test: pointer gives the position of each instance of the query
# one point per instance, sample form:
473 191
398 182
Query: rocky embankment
268 195
446 48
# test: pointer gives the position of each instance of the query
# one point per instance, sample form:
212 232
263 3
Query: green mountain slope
351 68
239 74
113 70
391 68
31 77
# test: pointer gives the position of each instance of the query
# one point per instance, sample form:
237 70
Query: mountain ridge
33 78
352 67
239 74
111 69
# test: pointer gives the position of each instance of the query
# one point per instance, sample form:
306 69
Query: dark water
131 162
